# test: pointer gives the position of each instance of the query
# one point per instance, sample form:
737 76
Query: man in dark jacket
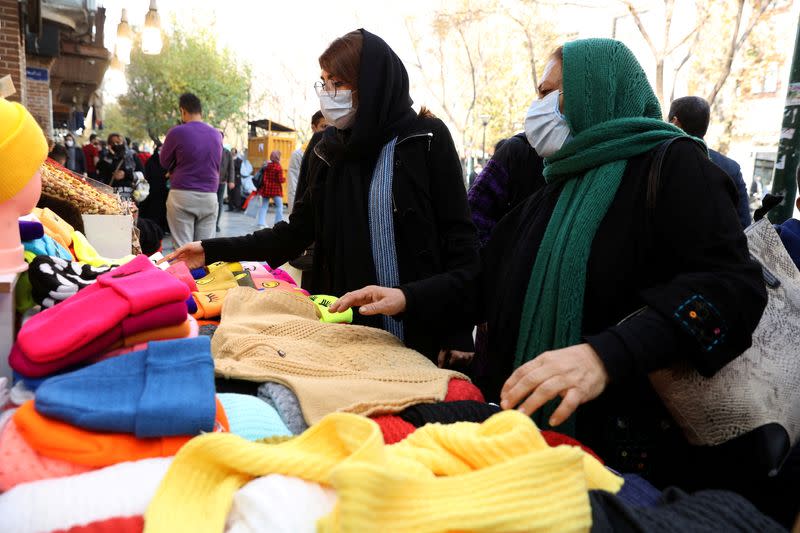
692 114
117 166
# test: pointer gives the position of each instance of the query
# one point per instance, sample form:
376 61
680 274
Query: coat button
281 353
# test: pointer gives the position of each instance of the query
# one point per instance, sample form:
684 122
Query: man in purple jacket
191 153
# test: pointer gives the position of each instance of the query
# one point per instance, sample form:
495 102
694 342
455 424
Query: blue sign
37 74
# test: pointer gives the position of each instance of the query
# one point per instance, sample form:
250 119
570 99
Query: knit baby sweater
277 336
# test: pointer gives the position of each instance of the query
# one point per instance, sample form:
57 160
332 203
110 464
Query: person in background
76 161
58 153
117 166
298 163
692 114
510 177
227 176
235 188
247 186
154 207
385 202
271 188
191 153
91 153
790 230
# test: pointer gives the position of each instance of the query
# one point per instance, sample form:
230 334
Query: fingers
169 258
542 394
514 380
569 403
380 305
352 299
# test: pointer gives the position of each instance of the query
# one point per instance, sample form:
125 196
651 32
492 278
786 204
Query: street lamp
151 35
485 121
124 39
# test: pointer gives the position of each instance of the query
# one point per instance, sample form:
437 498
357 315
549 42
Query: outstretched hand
192 254
372 300
576 373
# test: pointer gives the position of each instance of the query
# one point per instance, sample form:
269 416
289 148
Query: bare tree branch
737 41
529 45
639 24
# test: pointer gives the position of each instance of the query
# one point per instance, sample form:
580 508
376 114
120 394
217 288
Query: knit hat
251 418
53 279
47 246
181 271
277 336
55 226
448 413
279 504
23 148
323 302
217 280
164 391
461 389
121 490
59 440
30 230
394 428
209 304
19 463
284 401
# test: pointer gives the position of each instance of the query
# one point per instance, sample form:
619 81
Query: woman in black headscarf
386 203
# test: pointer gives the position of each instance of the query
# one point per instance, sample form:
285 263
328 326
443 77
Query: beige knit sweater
277 336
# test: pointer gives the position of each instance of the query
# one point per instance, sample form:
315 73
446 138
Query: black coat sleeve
459 243
276 246
707 311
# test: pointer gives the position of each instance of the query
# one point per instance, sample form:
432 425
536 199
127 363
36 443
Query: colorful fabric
607 132
19 463
285 403
122 490
166 390
86 253
393 428
47 246
53 279
252 418
495 476
58 440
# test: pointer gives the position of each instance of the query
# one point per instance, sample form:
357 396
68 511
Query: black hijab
384 112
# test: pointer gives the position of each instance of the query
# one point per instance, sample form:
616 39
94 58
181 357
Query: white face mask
338 110
545 127
70 143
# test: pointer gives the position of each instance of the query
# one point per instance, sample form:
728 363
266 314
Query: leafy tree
189 62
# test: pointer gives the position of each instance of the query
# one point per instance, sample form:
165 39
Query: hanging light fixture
116 64
151 35
124 39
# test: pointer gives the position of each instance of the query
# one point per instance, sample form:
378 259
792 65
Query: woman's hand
454 358
192 254
576 374
372 300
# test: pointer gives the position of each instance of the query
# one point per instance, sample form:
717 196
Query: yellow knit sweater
497 476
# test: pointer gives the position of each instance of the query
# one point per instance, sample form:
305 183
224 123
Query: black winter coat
435 239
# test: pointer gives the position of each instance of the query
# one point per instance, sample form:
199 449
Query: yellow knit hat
23 148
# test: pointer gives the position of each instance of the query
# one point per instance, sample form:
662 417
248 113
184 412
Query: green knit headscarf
614 115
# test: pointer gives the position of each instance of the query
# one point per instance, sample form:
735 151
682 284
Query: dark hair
58 151
693 113
190 103
342 58
315 118
108 140
92 137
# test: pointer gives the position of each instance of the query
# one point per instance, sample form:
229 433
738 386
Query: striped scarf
381 229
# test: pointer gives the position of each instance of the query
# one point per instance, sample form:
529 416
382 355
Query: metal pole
784 181
483 146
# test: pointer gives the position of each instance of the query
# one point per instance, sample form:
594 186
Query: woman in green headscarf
602 242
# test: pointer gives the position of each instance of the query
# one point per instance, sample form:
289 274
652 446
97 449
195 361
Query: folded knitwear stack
497 476
221 277
277 337
131 299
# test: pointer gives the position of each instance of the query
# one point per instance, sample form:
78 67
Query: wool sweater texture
497 476
277 336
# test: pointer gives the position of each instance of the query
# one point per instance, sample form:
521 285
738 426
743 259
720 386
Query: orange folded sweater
56 439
